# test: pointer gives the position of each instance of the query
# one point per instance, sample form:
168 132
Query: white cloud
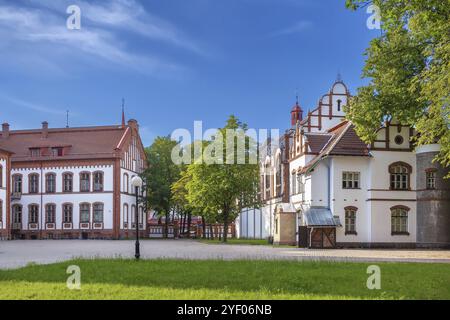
31 106
100 37
297 27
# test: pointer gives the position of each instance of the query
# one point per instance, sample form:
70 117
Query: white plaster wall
128 198
59 198
342 198
3 195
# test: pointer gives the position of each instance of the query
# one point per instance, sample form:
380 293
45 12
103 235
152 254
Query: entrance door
303 237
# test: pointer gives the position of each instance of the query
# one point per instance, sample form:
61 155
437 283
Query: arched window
98 212
1 211
33 213
268 182
294 183
98 181
50 213
68 182
126 183
399 220
1 176
279 177
133 214
400 176
50 183
33 183
350 220
17 183
125 213
67 213
85 182
85 213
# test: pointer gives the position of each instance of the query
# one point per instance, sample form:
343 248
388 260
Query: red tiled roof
316 142
82 143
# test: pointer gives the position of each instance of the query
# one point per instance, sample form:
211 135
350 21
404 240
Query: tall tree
225 180
409 71
160 175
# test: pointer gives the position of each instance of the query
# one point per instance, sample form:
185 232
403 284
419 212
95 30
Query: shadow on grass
273 278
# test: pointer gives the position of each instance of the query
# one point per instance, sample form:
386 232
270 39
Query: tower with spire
296 113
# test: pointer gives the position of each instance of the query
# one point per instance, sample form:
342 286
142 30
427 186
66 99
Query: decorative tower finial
123 113
339 77
297 112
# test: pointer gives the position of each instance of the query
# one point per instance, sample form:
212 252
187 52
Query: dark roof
320 217
316 141
82 143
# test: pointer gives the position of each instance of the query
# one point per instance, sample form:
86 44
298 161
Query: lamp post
137 183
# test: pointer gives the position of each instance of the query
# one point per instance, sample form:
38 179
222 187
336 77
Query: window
141 215
17 214
17 183
279 177
300 185
399 140
400 173
126 183
33 183
294 183
339 102
399 220
35 152
50 213
268 184
350 220
350 180
98 181
57 152
133 213
1 176
33 213
67 213
85 182
50 183
125 213
431 179
1 211
68 182
98 213
85 213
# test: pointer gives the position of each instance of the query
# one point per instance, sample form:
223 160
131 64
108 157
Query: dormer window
35 152
57 152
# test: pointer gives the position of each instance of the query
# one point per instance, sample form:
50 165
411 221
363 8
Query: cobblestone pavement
14 254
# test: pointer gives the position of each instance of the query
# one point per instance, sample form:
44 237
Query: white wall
3 195
59 198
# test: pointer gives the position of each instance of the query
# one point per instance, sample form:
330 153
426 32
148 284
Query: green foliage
225 186
409 69
160 175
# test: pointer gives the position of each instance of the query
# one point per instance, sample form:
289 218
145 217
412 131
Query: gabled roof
343 142
316 141
98 142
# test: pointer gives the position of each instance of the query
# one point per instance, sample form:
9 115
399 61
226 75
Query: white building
70 182
323 187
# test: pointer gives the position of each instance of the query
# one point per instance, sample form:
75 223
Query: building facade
323 187
70 183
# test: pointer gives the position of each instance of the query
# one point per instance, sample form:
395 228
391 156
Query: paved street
15 254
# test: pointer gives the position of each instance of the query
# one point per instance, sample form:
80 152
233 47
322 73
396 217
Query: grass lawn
221 280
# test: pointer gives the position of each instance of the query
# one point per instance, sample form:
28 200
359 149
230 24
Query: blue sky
174 61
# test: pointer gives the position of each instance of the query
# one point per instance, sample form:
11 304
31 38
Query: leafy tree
224 180
409 71
160 176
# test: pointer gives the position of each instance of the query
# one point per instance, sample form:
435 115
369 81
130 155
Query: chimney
5 130
44 130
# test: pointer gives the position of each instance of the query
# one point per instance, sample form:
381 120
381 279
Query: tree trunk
211 232
225 227
166 226
204 228
189 217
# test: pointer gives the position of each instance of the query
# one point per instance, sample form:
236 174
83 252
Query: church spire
297 112
123 113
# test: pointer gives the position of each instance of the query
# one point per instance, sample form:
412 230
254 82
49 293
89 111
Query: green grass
221 280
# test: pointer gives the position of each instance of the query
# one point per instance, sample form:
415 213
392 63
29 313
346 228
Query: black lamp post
137 184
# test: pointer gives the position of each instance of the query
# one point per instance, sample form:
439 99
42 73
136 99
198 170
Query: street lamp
137 183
